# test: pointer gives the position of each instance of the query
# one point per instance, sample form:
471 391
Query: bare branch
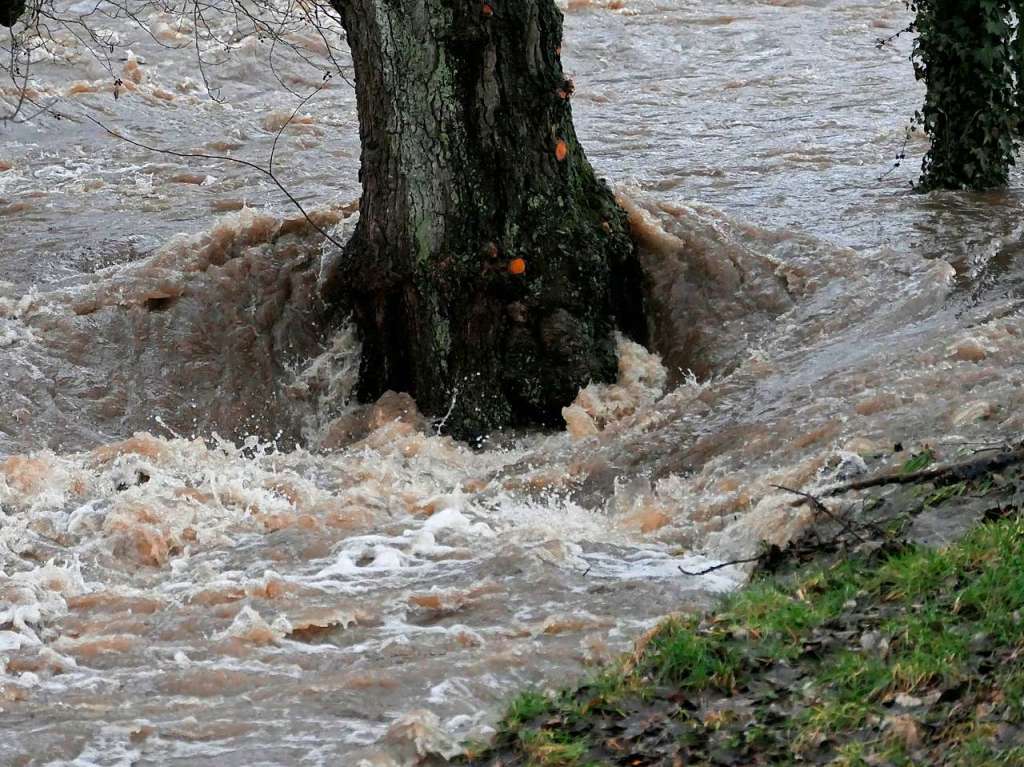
273 148
818 506
223 158
953 471
266 20
722 566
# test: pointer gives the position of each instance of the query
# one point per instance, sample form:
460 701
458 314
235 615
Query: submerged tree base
490 266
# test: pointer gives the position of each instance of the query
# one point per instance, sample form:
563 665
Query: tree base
490 267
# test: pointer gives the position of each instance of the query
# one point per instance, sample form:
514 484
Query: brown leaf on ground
905 729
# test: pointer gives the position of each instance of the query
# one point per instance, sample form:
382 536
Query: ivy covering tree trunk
970 54
490 267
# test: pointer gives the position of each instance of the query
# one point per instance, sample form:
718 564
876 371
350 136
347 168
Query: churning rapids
209 557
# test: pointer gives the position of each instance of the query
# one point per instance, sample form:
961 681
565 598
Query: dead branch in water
722 566
963 470
822 508
868 532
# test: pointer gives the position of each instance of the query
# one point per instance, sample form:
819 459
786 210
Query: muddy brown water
209 557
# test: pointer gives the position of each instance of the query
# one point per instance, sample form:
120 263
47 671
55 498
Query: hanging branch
42 21
882 42
268 171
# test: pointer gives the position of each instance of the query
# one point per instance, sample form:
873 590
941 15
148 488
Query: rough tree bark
490 266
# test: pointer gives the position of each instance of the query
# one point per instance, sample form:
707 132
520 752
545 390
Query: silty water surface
207 557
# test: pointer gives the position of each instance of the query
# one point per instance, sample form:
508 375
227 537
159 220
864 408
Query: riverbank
891 632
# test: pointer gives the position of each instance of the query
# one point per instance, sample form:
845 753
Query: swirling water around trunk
327 582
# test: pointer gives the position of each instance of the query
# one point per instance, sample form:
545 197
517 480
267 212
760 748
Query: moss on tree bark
490 266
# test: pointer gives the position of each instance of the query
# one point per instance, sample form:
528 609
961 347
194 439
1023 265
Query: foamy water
209 556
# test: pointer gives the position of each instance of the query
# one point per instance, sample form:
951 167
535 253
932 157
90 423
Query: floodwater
208 556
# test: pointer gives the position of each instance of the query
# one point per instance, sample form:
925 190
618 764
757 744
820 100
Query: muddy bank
887 632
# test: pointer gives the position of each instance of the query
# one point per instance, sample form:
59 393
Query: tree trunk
966 52
490 266
10 12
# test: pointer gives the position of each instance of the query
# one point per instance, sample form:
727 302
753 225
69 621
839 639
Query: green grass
918 461
937 624
853 677
525 707
545 748
691 660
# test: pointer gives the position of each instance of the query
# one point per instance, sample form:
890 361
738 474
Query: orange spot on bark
517 266
561 150
488 10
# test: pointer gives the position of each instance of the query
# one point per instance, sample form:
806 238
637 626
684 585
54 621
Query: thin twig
196 15
722 566
821 507
223 158
23 90
881 42
273 148
42 20
451 408
900 157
